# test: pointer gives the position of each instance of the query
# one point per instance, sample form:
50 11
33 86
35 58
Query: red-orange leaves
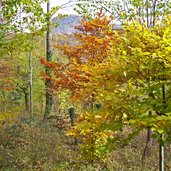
94 39
92 47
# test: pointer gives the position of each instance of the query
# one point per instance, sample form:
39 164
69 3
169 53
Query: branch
67 3
107 10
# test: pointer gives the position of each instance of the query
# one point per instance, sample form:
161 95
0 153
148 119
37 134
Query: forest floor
43 146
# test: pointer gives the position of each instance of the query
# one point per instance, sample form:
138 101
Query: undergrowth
42 146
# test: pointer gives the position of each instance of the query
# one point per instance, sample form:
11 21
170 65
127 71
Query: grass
42 146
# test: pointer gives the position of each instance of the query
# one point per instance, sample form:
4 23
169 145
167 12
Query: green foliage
13 11
145 11
18 17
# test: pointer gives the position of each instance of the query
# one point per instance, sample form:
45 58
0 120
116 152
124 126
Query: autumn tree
97 34
147 57
146 12
88 75
129 76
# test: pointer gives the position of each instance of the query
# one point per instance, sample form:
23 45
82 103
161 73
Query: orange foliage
6 75
94 39
91 50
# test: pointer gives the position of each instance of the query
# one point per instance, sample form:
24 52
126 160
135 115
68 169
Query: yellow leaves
94 138
104 135
167 36
90 123
9 115
122 13
71 133
108 98
124 52
130 87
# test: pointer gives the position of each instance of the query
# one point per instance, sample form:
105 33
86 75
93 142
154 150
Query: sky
67 10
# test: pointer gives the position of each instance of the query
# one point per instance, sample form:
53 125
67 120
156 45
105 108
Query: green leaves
125 12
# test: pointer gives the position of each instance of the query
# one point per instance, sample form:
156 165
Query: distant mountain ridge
66 24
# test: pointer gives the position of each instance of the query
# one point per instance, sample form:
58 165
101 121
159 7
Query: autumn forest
96 97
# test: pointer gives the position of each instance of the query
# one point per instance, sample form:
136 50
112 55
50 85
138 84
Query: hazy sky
67 10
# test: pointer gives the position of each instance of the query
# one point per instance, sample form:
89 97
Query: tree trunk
31 83
41 101
26 99
161 146
48 82
146 149
161 156
147 13
154 12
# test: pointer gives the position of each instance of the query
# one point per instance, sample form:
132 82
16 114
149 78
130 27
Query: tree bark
161 156
41 101
26 98
148 140
31 83
48 82
161 146
147 13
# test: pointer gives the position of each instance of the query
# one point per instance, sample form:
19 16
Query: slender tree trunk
161 146
149 132
26 99
147 13
154 12
41 101
48 82
146 149
161 156
31 83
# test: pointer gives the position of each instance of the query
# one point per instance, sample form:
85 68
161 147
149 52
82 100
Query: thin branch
67 3
107 10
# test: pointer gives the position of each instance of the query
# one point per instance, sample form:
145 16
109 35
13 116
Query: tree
28 16
48 83
124 12
147 57
31 84
84 73
49 98
127 71
97 34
